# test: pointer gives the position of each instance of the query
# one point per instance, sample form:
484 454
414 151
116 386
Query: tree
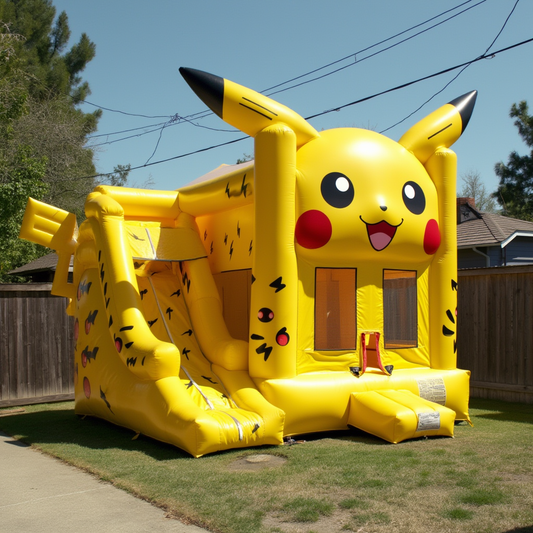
40 88
473 187
515 192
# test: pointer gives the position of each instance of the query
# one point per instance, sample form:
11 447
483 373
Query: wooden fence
495 331
36 346
495 338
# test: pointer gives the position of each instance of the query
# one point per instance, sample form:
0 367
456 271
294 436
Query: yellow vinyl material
295 293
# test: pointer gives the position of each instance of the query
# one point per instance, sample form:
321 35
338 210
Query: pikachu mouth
380 234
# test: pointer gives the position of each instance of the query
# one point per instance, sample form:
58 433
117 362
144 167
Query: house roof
486 229
45 263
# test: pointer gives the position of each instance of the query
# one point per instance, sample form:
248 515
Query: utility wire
455 77
203 114
335 109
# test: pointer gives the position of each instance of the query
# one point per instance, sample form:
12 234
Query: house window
335 308
400 309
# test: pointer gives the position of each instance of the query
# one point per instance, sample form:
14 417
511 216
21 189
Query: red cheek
431 237
313 229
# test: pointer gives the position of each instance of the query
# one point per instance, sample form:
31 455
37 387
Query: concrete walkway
39 494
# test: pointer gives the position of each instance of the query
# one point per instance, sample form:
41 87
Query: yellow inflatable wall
311 289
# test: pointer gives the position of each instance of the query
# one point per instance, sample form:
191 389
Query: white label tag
427 421
432 389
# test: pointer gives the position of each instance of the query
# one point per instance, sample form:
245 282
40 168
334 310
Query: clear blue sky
140 46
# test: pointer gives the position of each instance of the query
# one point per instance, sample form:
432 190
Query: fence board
495 331
495 338
36 345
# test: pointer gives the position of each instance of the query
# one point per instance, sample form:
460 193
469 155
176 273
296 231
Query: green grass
480 481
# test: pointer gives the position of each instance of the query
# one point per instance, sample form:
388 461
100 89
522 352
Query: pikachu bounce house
312 289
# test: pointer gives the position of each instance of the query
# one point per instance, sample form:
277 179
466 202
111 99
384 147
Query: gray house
488 240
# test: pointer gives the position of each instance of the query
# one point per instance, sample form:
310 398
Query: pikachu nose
383 207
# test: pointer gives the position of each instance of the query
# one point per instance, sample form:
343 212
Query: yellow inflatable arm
140 351
429 141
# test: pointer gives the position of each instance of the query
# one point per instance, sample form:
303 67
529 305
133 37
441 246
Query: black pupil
337 190
414 198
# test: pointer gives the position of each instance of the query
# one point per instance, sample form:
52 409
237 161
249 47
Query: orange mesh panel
335 309
400 309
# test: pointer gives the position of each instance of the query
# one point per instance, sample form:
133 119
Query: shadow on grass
63 426
503 411
527 529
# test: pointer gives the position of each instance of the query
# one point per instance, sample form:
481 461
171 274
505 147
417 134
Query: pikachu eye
414 198
337 190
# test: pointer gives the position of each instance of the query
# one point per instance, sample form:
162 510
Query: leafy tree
40 87
515 192
473 187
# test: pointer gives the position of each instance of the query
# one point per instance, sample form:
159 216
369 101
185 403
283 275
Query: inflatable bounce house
309 290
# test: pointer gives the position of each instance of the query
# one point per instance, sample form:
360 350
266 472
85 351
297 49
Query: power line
335 109
456 76
203 114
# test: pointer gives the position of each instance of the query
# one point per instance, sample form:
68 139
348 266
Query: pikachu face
363 196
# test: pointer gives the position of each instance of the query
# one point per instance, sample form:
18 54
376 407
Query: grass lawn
480 481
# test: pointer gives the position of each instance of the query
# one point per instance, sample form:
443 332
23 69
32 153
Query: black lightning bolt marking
231 250
450 316
110 321
238 192
278 284
205 235
253 278
143 292
250 248
177 293
226 239
107 302
137 238
238 230
188 332
454 285
210 380
447 332
189 385
169 311
92 316
103 397
142 362
256 427
83 288
105 288
264 349
126 328
152 322
211 248
99 255
186 352
128 344
256 337
130 361
102 272
186 281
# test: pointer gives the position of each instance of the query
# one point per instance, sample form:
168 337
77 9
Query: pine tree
515 192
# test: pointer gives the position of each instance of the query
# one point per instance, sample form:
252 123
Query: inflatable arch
311 289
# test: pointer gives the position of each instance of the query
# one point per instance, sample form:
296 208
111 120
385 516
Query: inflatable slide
311 289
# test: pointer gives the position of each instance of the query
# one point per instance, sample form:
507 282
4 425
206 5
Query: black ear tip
465 106
208 87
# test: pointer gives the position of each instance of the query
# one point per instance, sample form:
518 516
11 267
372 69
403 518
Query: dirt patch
256 462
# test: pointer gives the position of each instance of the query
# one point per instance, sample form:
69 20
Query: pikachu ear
439 129
243 108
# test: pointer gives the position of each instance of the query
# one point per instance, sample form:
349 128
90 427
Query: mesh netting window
400 309
335 309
